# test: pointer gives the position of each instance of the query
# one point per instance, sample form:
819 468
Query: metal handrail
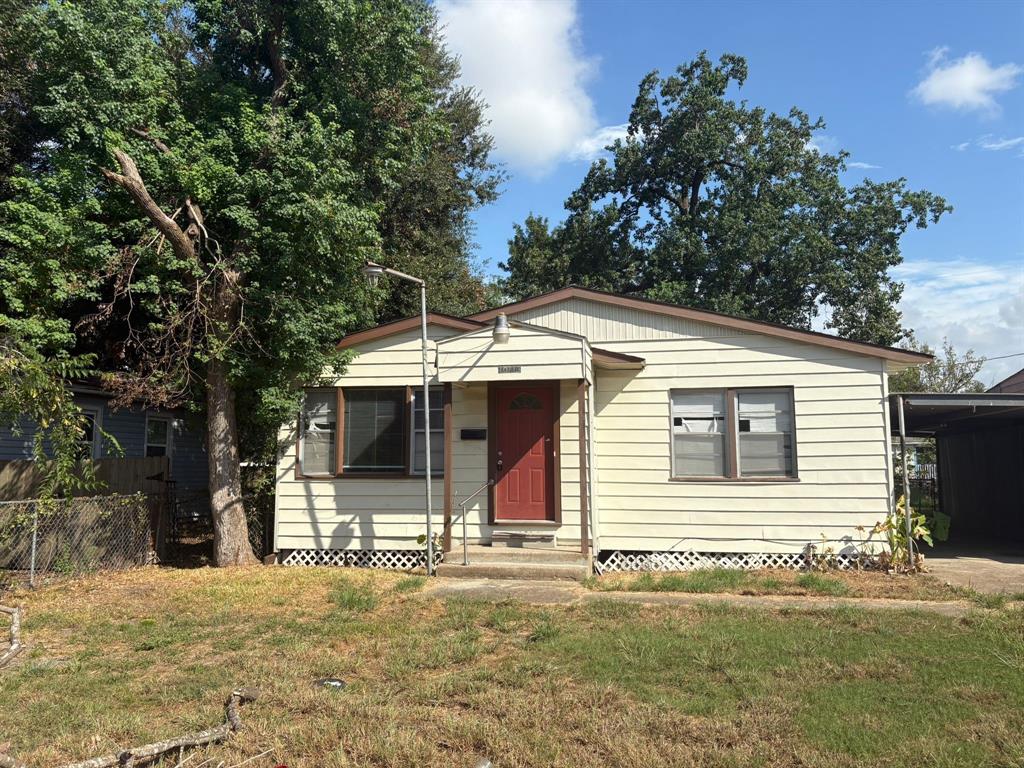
463 503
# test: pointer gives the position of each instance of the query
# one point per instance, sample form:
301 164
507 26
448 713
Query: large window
374 430
381 432
733 434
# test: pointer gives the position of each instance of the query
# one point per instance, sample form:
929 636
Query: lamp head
373 273
501 329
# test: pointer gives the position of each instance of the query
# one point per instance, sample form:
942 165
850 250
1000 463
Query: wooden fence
22 479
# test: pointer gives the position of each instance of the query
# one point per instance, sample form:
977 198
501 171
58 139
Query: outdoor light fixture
501 329
373 273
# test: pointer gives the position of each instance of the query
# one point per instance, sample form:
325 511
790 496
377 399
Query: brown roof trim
406 324
615 357
707 316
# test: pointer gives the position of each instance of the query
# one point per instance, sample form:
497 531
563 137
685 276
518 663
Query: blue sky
933 92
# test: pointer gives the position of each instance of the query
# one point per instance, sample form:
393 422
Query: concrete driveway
984 570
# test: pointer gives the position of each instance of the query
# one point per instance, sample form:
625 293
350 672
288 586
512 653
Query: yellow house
641 434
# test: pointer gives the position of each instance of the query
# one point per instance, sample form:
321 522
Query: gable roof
407 324
705 316
1012 383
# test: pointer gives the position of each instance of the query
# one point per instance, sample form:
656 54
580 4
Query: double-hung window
374 431
319 432
88 444
698 434
158 436
733 434
417 461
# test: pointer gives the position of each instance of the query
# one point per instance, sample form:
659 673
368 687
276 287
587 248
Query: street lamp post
373 274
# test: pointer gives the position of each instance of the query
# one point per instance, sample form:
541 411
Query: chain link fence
40 537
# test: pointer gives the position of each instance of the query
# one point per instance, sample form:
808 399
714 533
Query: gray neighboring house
139 432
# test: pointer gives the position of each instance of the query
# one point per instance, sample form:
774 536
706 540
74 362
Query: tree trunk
230 530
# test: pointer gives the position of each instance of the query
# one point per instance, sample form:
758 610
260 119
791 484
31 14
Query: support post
426 429
581 404
906 483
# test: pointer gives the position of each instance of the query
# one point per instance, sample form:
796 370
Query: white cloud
823 143
962 146
590 147
977 306
968 83
858 164
998 145
525 58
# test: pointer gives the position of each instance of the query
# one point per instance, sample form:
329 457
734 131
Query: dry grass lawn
121 659
870 584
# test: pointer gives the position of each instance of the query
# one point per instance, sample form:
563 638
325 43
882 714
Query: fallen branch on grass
149 752
15 646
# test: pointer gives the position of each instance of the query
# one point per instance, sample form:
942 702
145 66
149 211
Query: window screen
698 434
436 432
765 433
320 423
374 430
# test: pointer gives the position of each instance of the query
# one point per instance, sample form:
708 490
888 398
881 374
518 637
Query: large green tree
716 203
197 184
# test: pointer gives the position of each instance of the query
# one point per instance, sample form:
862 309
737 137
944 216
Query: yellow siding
539 356
841 426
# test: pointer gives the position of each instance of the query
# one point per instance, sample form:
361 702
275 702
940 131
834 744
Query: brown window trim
340 473
732 439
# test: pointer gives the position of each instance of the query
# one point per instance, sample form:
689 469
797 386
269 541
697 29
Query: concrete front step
500 554
514 569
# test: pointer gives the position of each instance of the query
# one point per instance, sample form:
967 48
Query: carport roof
931 413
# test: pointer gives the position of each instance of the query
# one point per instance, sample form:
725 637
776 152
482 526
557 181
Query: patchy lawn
124 659
871 584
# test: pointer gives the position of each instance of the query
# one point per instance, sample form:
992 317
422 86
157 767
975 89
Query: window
698 434
374 439
381 431
319 431
733 433
158 436
418 445
765 445
87 443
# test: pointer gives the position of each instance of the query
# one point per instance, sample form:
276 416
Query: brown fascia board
616 357
707 316
406 324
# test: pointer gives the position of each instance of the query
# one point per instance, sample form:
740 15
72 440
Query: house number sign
510 369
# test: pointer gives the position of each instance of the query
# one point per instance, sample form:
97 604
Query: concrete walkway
982 571
569 593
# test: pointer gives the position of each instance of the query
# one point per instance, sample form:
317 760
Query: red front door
524 487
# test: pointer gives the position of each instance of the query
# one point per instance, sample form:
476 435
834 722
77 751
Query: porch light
373 273
501 330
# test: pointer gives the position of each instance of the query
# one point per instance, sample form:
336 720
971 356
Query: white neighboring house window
698 434
417 446
158 436
89 445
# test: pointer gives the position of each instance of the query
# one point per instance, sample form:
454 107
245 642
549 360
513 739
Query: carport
979 440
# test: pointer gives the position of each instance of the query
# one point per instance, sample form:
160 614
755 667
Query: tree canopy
192 186
715 203
948 372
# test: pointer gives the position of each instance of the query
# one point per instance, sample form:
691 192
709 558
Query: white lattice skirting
693 561
387 559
